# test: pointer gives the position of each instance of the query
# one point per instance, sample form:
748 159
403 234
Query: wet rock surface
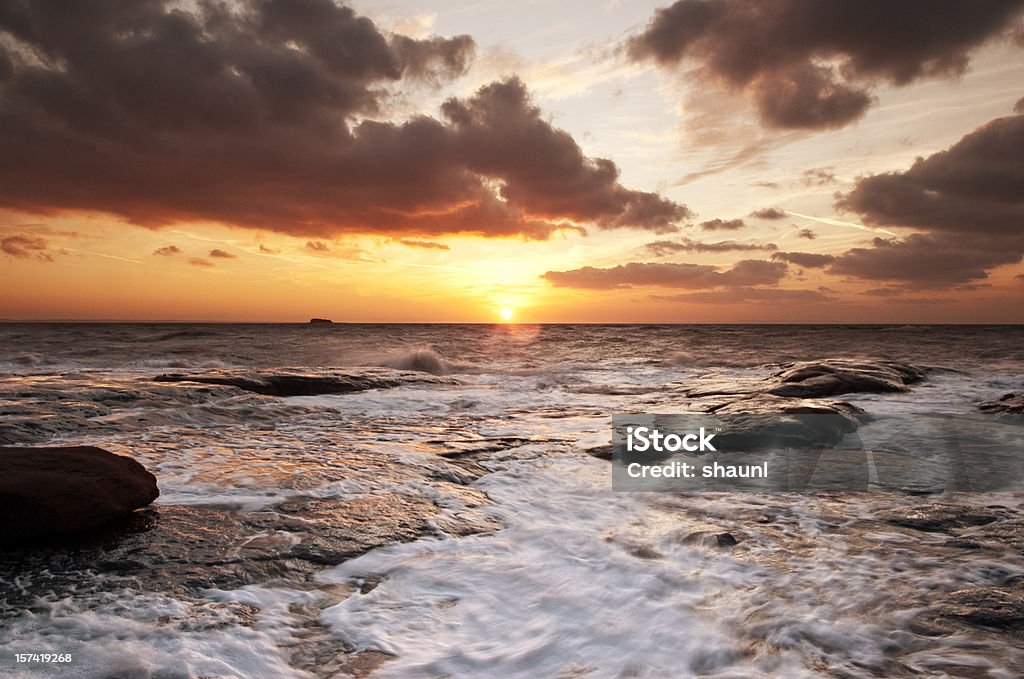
940 517
282 383
47 492
797 388
832 377
185 551
1006 404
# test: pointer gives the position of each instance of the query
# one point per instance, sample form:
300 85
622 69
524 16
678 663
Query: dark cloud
767 185
663 248
814 63
885 292
746 272
722 225
317 246
198 261
24 246
966 202
974 187
246 113
808 260
217 253
425 244
168 250
1020 277
268 251
769 213
745 295
925 261
806 233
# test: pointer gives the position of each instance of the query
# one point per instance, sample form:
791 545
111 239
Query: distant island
320 321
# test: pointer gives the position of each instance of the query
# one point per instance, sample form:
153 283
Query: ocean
445 515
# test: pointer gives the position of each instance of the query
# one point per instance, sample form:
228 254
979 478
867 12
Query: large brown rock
817 379
46 492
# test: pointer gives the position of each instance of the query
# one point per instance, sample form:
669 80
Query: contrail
838 222
100 254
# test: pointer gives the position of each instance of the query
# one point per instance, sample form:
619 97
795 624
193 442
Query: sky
483 161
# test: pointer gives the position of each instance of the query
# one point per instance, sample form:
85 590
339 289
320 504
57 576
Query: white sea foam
142 637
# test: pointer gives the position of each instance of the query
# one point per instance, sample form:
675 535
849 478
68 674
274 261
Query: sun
507 314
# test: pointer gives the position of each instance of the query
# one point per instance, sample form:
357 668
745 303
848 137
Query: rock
771 422
605 452
1001 536
726 540
789 391
321 321
292 383
939 518
187 550
1007 403
998 607
46 492
838 376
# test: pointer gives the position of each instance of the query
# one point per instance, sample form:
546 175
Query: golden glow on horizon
507 314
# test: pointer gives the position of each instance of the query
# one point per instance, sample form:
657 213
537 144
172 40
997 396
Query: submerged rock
291 383
321 321
939 517
996 607
46 492
832 377
1007 403
1000 536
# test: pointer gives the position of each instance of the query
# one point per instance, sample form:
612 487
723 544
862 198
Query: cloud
695 276
271 114
340 250
267 250
744 295
812 64
965 202
722 225
806 233
808 260
885 292
426 244
198 261
770 213
168 250
818 176
925 261
663 248
217 253
23 246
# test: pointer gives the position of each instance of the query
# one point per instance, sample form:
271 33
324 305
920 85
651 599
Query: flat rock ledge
796 387
298 383
832 377
48 492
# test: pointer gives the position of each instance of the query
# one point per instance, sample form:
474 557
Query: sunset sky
480 161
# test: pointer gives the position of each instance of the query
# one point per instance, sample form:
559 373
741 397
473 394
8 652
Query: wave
426 361
689 359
